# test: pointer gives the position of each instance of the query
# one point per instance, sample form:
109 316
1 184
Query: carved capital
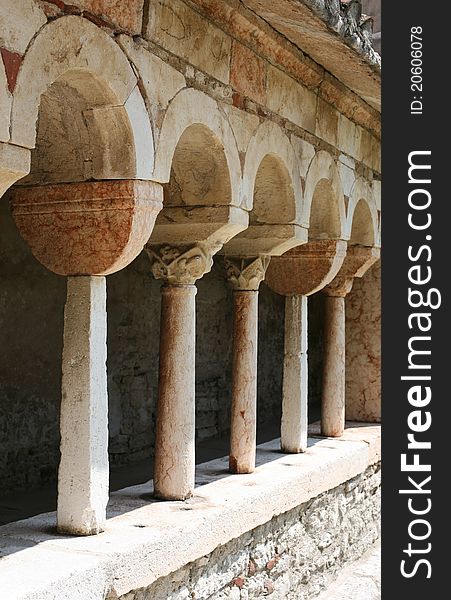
246 273
180 265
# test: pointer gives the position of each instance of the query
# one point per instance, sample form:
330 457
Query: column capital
180 265
246 274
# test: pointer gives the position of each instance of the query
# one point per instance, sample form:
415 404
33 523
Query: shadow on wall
31 319
31 330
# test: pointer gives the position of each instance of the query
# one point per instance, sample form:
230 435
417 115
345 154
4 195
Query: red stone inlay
12 62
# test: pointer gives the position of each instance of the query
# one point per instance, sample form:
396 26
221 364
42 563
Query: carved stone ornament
246 273
180 265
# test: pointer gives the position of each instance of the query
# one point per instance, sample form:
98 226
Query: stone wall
31 318
292 557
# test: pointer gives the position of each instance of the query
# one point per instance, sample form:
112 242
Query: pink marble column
245 275
175 430
357 261
333 391
174 465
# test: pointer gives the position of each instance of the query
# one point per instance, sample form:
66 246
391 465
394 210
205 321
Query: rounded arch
324 211
362 218
194 118
77 59
271 182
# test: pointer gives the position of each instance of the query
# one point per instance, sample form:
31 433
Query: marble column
83 471
333 388
333 401
174 465
294 424
245 275
85 230
303 271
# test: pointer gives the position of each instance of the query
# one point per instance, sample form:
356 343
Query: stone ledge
145 539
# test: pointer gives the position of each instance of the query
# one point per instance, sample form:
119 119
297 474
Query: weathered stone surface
19 22
291 100
175 425
126 15
349 137
14 164
83 471
182 31
304 152
243 124
333 388
308 25
86 228
151 68
326 122
359 579
293 435
5 105
140 532
307 268
296 555
248 73
357 261
182 265
246 274
363 348
82 48
243 425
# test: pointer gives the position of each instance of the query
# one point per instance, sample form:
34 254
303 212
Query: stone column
83 471
333 402
333 389
85 230
245 275
295 376
303 271
174 465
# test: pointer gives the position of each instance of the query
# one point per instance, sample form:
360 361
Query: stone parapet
136 548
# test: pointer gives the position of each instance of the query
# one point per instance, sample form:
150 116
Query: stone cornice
253 31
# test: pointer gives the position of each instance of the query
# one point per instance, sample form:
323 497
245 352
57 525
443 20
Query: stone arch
271 183
324 211
194 124
362 220
72 63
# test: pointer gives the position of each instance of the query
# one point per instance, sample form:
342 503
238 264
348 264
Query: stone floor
360 580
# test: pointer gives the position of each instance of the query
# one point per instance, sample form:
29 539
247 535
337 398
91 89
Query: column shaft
295 376
243 434
333 389
83 471
175 431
